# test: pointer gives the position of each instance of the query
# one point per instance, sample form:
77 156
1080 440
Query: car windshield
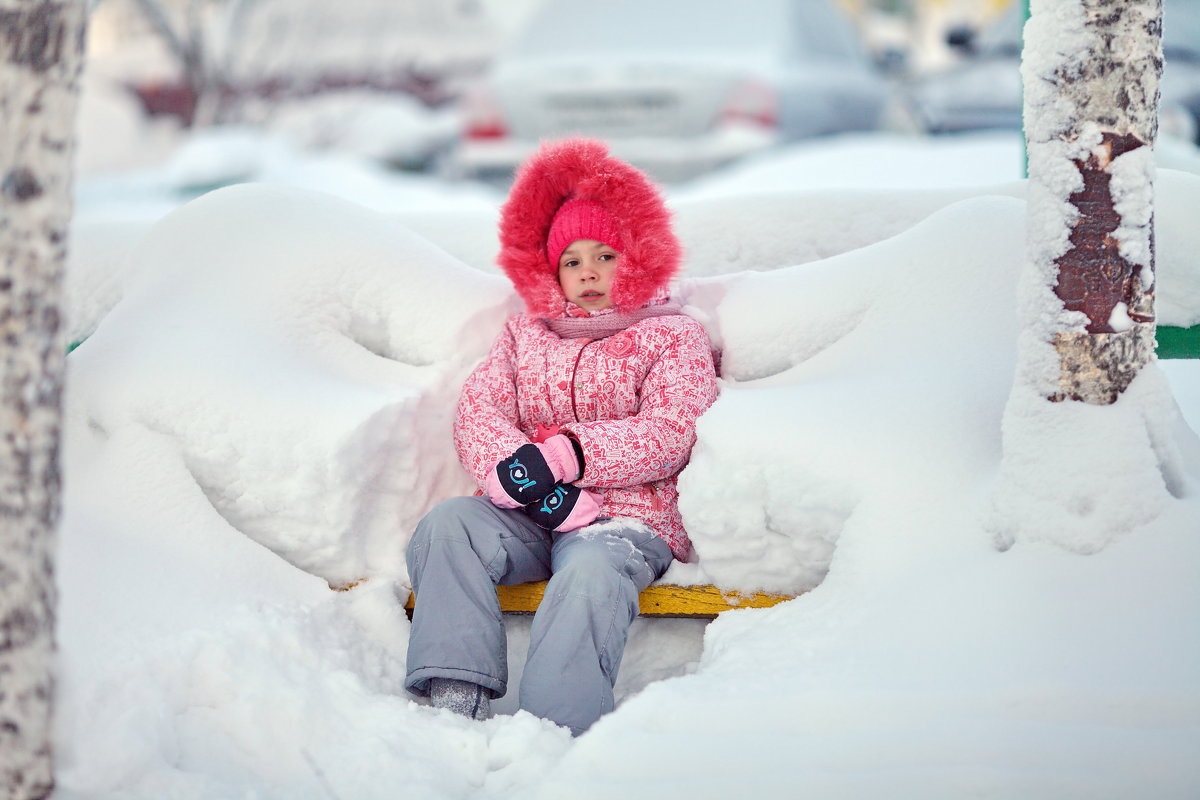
570 27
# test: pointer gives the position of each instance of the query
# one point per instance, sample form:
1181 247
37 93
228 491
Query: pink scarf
604 325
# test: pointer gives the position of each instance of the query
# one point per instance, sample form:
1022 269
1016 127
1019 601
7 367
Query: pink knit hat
580 219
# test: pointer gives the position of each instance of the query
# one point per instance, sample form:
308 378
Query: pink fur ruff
650 252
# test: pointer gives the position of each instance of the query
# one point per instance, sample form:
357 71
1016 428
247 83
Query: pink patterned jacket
631 400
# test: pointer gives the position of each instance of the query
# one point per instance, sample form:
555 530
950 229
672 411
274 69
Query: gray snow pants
465 546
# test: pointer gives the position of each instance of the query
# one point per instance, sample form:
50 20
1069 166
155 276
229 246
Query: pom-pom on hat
580 219
575 171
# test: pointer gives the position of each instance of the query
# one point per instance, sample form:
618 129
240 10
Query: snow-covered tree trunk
1090 451
1091 116
41 52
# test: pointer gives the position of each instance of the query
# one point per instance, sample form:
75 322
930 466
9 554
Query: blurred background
211 92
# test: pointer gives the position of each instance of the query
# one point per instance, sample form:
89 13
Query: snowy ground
261 408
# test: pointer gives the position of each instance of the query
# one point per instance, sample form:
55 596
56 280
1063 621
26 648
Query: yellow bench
663 600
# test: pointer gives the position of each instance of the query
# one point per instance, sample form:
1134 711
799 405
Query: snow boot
462 697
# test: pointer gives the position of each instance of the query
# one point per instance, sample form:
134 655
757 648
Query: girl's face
585 273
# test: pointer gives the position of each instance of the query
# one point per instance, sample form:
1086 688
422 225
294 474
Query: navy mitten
524 477
565 508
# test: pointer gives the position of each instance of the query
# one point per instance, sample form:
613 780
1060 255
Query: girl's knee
460 526
449 521
590 570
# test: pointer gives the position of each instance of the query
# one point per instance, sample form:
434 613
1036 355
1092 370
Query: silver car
675 86
983 90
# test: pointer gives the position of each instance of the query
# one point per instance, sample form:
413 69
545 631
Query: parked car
1181 60
675 86
983 90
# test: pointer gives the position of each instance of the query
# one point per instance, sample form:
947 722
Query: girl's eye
607 256
571 262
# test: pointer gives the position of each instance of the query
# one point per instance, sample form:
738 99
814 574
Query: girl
575 427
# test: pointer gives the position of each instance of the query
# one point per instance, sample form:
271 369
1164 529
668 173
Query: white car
675 86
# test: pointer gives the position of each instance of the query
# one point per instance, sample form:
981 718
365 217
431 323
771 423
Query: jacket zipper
574 370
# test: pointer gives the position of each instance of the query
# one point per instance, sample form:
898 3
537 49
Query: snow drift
265 410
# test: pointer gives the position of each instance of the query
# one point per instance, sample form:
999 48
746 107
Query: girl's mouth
592 293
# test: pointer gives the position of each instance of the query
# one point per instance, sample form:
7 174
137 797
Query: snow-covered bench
661 600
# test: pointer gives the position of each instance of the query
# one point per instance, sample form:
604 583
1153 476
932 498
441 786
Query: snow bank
196 663
99 270
930 665
299 351
116 211
334 296
777 229
852 381
266 409
1083 475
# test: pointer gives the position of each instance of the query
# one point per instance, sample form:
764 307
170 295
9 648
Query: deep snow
263 406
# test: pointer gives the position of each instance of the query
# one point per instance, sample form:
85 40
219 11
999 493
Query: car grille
625 113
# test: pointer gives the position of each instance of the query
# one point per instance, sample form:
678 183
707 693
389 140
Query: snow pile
299 351
333 295
929 665
784 228
1083 475
266 409
854 382
115 211
99 272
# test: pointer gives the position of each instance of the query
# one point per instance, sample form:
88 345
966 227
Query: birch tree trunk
1091 436
1092 109
41 52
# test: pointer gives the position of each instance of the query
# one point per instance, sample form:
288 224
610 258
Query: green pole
1024 143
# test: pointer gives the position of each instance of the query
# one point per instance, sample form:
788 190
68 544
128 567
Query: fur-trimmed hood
650 252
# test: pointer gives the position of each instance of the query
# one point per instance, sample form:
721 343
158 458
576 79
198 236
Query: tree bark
1105 93
41 52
